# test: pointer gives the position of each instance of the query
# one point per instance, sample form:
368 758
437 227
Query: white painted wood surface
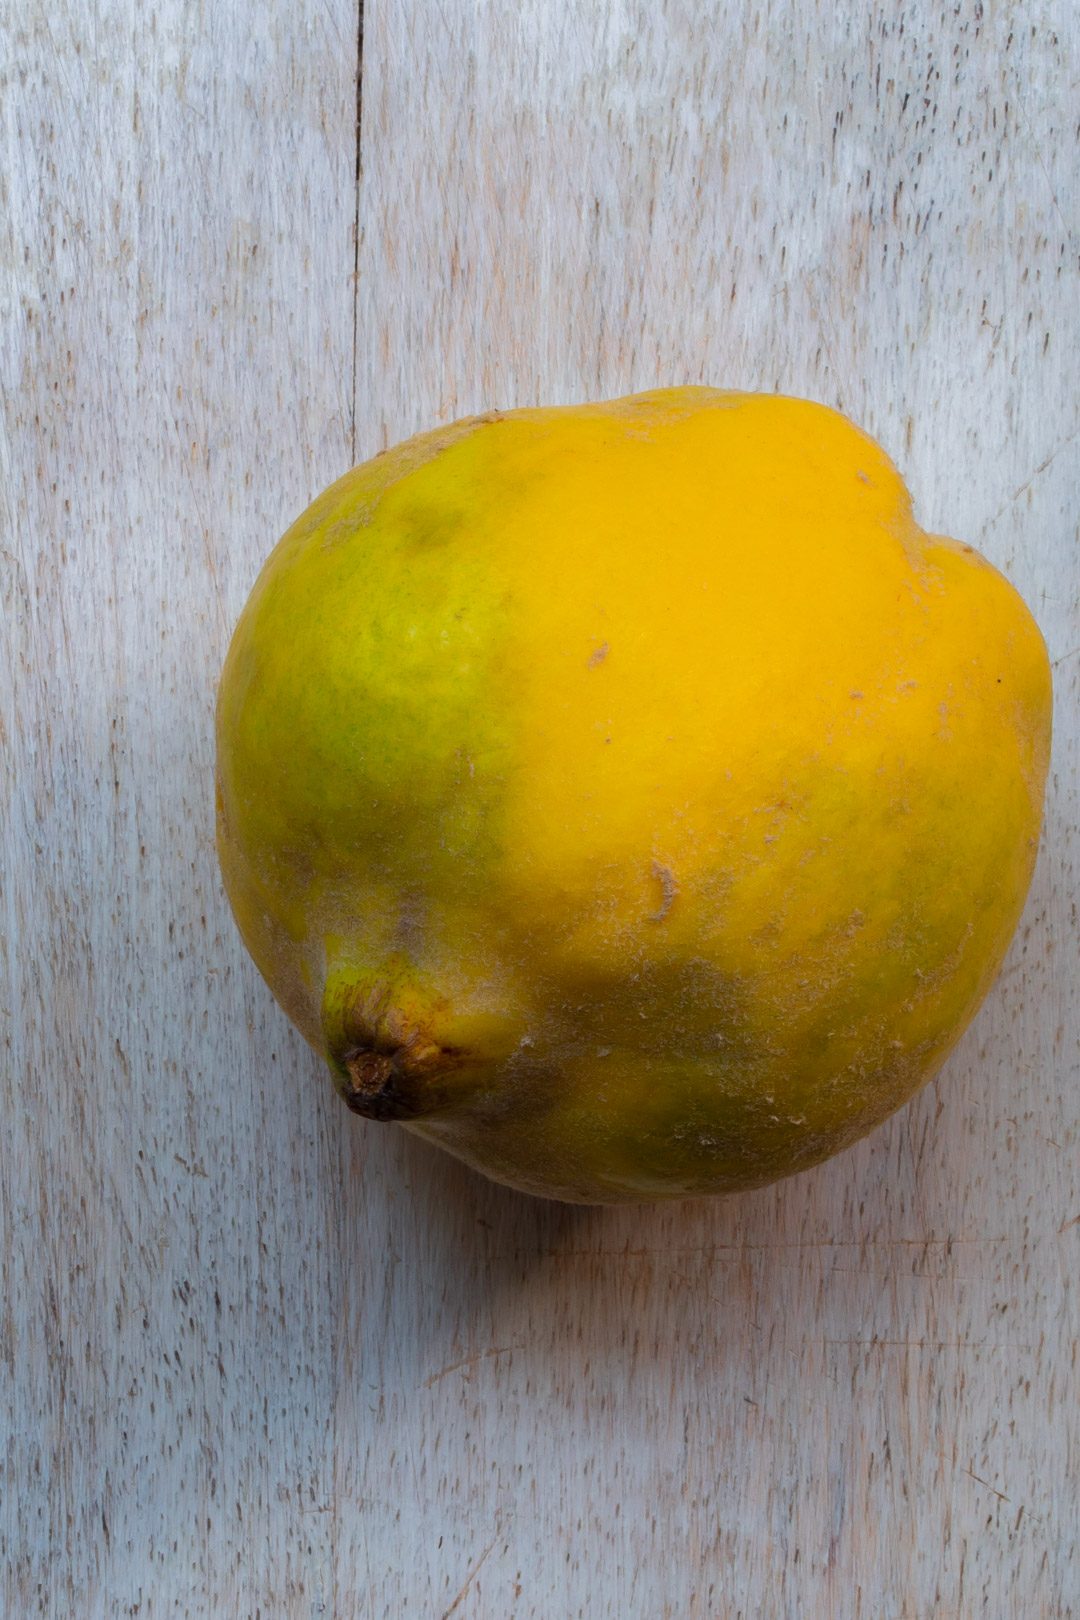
258 1358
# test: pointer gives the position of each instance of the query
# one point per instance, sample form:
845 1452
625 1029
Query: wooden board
257 1357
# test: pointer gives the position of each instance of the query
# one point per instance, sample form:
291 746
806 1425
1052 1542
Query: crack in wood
356 222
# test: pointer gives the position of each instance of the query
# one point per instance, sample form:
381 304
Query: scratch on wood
468 1361
1039 470
470 1577
979 1480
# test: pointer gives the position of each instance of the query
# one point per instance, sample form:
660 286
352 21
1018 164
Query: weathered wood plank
177 374
259 1357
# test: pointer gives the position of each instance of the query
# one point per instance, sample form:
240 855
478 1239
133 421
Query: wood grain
256 1357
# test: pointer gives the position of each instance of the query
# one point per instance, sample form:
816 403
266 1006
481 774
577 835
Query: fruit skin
631 798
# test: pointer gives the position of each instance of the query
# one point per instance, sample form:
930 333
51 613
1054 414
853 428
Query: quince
631 799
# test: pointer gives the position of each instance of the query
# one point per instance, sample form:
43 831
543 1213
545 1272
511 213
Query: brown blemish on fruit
668 887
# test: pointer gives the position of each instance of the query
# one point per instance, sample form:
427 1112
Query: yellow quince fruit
631 799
